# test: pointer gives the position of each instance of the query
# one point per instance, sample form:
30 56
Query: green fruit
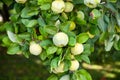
60 39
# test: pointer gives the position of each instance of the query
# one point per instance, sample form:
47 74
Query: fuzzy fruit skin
58 6
92 3
21 1
35 48
65 77
60 39
68 7
74 65
59 69
77 49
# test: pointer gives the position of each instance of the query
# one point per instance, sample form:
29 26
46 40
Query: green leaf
45 6
28 12
14 18
87 49
43 31
59 51
85 58
72 41
67 65
117 45
41 22
6 41
82 38
43 55
29 23
41 2
84 74
45 43
8 2
53 77
101 24
13 49
65 27
24 36
12 36
54 62
78 1
103 36
80 21
51 29
51 50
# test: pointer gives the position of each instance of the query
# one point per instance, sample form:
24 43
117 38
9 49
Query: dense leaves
34 20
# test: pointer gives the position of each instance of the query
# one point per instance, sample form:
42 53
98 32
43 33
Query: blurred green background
104 66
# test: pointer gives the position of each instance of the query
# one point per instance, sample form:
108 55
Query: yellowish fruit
77 49
58 6
74 65
60 39
59 69
35 48
90 35
65 77
80 15
92 3
68 7
21 1
72 25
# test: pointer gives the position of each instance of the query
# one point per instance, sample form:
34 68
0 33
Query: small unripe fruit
65 77
77 49
68 7
92 3
95 14
80 15
59 69
74 65
21 1
35 48
60 39
72 25
58 6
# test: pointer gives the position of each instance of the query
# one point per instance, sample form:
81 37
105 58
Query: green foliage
35 21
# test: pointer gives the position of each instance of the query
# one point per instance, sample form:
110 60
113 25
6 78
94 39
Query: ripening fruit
59 69
92 3
58 6
74 65
80 15
68 7
72 25
35 48
21 1
65 77
60 39
95 14
77 49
